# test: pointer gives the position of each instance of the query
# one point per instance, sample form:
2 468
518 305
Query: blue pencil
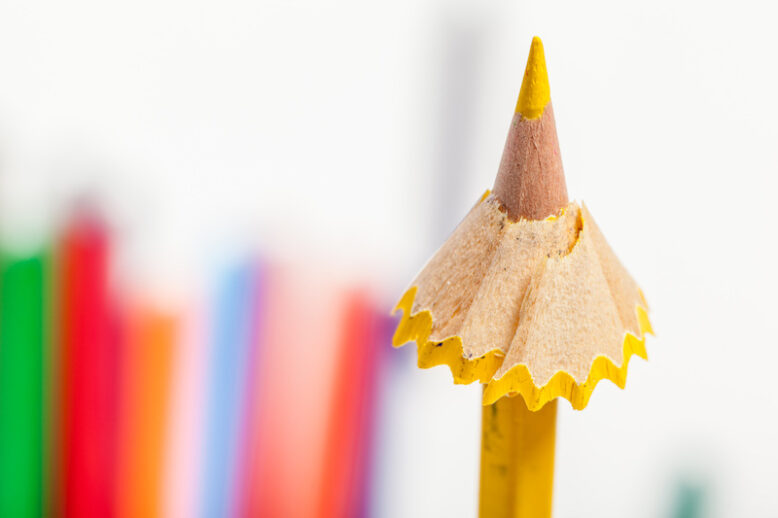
230 355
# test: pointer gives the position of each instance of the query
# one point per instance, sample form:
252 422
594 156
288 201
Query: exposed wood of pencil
530 181
517 446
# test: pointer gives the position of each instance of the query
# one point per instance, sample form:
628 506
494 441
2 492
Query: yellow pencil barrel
517 459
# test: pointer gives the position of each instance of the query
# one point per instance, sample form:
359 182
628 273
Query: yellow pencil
517 459
517 445
527 298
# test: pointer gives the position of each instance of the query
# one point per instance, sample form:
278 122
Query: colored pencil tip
535 93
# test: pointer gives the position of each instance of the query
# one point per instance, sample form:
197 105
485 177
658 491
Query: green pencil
21 385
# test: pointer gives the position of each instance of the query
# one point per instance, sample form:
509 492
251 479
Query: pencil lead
535 93
530 182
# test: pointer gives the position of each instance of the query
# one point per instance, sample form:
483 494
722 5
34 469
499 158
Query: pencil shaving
537 308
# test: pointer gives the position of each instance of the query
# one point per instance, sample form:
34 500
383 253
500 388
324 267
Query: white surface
188 117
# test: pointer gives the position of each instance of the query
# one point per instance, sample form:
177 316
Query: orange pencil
145 391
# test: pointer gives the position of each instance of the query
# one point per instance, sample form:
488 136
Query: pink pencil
185 441
297 363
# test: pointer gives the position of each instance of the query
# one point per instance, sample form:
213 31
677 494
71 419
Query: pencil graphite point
535 92
530 182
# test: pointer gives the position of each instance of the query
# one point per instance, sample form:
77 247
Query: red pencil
348 429
89 346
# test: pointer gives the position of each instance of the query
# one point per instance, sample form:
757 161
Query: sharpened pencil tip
535 93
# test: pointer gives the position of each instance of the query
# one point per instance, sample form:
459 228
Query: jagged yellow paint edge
518 380
417 328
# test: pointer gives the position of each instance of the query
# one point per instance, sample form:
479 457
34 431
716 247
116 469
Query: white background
357 134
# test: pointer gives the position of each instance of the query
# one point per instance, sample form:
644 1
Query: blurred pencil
348 433
145 392
256 385
89 343
231 342
22 322
185 435
298 361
